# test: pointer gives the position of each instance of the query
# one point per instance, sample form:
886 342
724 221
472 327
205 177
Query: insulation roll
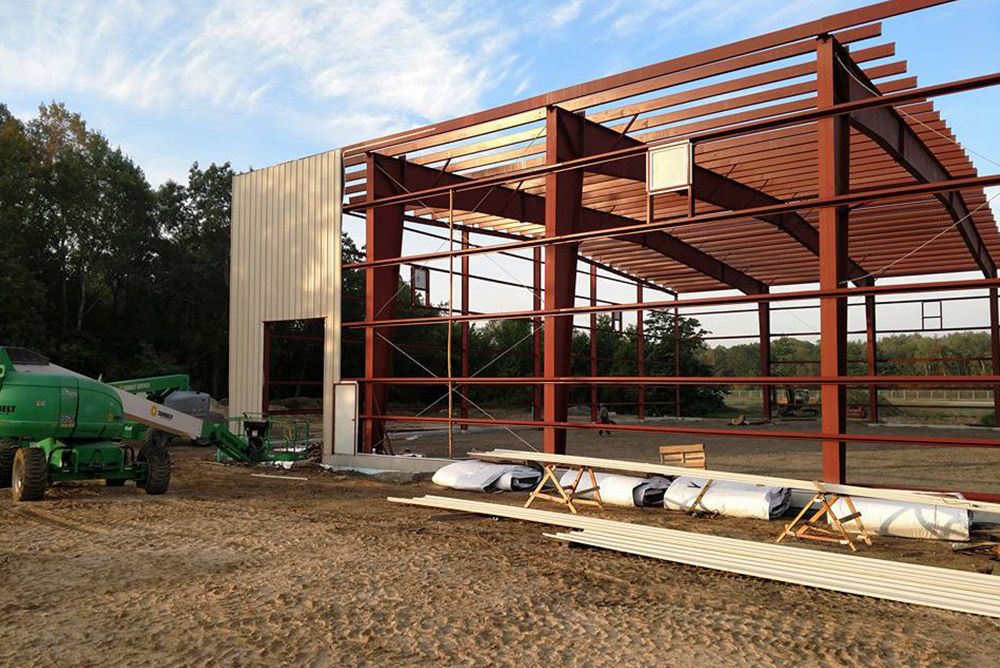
732 499
476 476
620 490
908 520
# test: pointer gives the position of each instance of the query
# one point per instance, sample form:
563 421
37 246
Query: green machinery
173 391
57 425
266 439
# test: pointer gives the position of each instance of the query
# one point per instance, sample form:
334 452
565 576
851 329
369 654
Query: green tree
22 307
192 283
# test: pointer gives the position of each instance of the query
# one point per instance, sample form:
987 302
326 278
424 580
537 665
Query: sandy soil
227 569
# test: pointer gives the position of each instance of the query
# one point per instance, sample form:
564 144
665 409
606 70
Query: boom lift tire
157 462
7 450
156 438
30 474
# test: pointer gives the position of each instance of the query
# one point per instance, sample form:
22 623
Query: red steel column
677 360
640 353
833 166
563 196
383 239
265 390
463 390
593 342
995 352
871 329
764 329
536 323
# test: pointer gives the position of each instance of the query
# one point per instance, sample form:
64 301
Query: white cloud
377 64
566 12
626 17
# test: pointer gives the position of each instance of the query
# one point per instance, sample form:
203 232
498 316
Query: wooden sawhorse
812 529
567 495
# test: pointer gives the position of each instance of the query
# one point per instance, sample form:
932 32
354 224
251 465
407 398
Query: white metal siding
285 266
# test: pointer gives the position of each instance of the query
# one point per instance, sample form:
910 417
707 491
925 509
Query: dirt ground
227 569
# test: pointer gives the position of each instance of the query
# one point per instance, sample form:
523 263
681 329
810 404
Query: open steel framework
816 160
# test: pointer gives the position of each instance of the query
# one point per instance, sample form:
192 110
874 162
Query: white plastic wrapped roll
476 476
908 520
732 499
617 490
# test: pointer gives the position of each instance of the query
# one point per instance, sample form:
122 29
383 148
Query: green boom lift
174 391
57 425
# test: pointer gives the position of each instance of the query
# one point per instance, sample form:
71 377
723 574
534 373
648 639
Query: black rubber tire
114 482
157 462
156 438
30 474
7 451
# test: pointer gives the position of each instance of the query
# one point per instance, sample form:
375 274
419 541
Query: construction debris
278 477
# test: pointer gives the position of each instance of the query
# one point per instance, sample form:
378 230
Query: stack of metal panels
943 588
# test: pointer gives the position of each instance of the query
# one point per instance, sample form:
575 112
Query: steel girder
887 128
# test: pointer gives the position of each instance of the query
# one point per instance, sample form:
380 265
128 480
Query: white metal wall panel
285 265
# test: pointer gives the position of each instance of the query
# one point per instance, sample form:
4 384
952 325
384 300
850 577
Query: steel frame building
815 158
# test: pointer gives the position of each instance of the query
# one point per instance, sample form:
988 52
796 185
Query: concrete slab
380 463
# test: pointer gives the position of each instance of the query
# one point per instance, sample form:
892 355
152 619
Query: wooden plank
927 498
277 477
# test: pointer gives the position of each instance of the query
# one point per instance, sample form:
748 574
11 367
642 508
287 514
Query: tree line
104 273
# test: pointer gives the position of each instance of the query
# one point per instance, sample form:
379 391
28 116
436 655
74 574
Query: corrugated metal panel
285 266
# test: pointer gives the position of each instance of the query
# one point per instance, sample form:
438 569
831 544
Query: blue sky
256 82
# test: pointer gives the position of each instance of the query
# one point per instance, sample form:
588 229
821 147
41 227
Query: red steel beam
767 434
882 381
383 239
640 353
613 87
932 286
730 194
886 127
871 356
618 276
709 187
463 396
682 97
764 331
883 193
833 162
563 195
674 248
770 122
511 203
677 360
593 341
265 398
995 351
485 161
536 323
